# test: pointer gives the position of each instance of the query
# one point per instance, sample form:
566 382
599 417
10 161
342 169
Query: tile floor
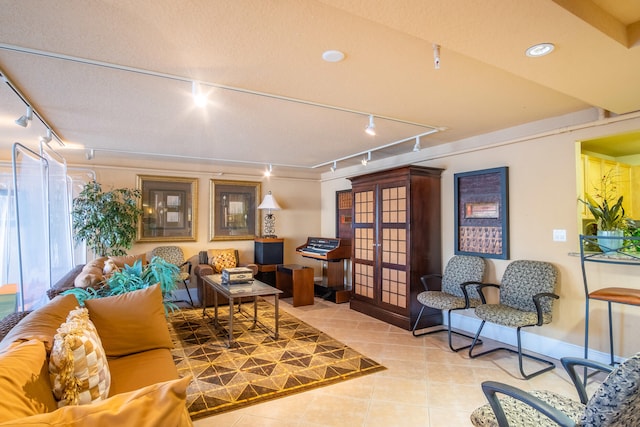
425 384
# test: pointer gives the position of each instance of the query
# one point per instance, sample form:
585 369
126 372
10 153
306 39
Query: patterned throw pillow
223 258
78 364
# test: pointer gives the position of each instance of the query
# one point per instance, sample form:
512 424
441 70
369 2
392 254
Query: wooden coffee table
253 289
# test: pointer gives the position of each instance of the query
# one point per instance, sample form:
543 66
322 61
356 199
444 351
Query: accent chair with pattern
174 255
526 299
460 270
616 402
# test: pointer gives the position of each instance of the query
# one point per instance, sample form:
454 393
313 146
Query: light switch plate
559 235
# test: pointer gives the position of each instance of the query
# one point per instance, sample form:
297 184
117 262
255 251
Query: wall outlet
559 235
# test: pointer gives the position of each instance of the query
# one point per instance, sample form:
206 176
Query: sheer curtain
10 265
76 180
60 244
31 184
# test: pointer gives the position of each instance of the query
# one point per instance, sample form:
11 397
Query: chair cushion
41 324
507 316
220 259
161 404
25 389
444 301
617 401
524 278
130 260
522 415
171 254
461 269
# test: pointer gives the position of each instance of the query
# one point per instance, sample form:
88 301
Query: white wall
542 197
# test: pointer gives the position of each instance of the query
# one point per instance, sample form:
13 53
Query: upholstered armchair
526 299
213 261
461 270
616 402
174 255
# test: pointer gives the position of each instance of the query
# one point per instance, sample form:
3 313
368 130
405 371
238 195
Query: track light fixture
269 170
371 127
26 119
46 139
90 154
366 160
436 56
416 146
199 98
334 167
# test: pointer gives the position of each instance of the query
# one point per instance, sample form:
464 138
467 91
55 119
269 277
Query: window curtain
31 188
60 244
9 265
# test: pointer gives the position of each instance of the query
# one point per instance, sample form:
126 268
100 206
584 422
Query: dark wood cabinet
396 240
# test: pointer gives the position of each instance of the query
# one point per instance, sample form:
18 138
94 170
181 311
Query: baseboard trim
545 346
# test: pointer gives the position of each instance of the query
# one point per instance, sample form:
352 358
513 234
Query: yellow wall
542 197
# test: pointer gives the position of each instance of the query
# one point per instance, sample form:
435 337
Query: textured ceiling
116 76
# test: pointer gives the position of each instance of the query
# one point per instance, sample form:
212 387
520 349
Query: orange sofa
143 389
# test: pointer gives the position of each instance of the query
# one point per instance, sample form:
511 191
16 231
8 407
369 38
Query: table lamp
269 203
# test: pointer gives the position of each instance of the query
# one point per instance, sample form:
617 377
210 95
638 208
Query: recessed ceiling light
333 56
540 49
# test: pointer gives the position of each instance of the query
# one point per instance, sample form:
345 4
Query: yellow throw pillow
41 324
222 258
78 365
131 322
160 404
24 381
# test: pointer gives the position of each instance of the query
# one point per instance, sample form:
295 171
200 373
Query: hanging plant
106 220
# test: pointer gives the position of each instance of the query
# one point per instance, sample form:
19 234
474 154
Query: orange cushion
131 322
161 404
24 381
41 324
121 261
220 259
139 370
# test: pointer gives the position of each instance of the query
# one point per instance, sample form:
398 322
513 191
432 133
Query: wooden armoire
396 240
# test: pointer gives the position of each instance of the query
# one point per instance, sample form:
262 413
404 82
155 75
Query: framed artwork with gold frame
169 208
234 210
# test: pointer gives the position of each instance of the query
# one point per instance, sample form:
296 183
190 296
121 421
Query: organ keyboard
326 249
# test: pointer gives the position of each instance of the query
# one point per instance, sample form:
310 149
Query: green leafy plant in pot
134 277
106 220
608 213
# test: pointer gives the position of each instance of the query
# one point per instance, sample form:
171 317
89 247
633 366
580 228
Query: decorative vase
612 240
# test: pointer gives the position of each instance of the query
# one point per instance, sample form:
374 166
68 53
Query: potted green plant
134 277
608 213
106 220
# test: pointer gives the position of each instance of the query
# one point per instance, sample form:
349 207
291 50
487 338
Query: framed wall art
482 213
234 210
169 208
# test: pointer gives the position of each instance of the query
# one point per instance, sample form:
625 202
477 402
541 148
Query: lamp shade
269 202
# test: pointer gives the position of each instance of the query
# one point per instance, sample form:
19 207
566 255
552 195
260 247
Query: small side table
297 281
268 253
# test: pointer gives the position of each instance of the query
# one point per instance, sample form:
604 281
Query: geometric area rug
258 367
